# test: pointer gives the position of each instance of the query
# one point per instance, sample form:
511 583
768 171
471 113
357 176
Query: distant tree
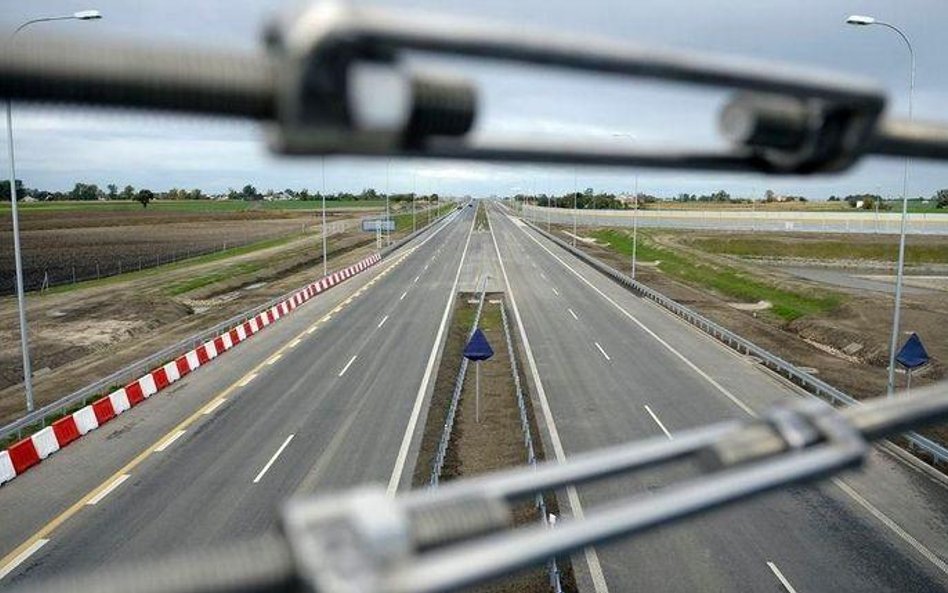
113 191
770 196
868 200
369 194
128 193
144 196
84 191
196 194
833 199
5 190
940 198
250 193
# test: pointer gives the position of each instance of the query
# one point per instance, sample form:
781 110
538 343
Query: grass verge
883 249
727 281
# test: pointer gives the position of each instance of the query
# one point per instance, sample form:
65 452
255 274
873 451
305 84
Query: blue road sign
478 348
913 353
373 225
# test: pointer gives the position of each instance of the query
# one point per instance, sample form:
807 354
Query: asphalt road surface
614 367
334 396
328 411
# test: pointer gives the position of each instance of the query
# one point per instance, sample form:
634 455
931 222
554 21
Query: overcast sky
56 148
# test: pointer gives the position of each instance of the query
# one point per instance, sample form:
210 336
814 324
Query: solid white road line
108 490
217 403
878 514
167 442
573 314
11 566
657 421
892 525
602 351
783 580
426 378
246 380
592 558
272 459
348 364
384 319
647 330
556 292
403 295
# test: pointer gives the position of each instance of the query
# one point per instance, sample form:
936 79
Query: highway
334 395
324 411
614 367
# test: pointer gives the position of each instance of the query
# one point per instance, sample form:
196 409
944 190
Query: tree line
92 192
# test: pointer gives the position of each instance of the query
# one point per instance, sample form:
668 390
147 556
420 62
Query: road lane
818 534
346 429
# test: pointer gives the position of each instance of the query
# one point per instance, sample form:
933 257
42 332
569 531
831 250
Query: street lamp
388 215
82 15
635 207
575 195
322 163
863 21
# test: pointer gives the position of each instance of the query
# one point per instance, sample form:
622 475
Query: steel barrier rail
136 369
552 569
818 387
448 427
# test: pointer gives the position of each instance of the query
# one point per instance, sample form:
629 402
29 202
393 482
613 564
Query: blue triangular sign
913 353
478 348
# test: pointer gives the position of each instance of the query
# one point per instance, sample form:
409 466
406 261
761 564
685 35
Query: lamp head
860 20
87 15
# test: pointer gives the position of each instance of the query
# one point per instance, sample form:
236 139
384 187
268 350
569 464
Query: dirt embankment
87 332
489 439
848 346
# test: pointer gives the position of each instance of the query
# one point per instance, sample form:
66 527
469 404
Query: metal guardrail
552 569
38 418
438 463
818 387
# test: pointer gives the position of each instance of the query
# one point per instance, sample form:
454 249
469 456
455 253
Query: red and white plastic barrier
26 453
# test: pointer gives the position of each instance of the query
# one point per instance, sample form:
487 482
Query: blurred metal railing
916 442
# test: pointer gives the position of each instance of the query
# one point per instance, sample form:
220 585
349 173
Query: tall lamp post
83 15
635 208
862 21
322 164
575 195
